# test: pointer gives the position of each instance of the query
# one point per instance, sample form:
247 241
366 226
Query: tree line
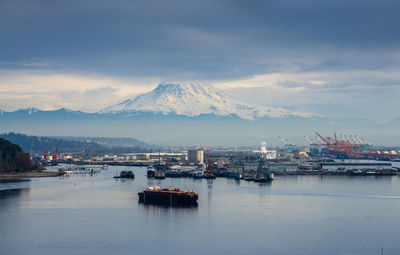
13 159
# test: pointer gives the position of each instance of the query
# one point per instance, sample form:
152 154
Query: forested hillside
12 158
83 145
37 144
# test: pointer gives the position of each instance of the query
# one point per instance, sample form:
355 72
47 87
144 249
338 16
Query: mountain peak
193 100
31 109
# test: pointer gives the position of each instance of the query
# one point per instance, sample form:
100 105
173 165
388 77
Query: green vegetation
13 159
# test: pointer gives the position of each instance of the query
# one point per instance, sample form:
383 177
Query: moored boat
248 177
198 174
208 175
159 175
260 179
151 172
125 174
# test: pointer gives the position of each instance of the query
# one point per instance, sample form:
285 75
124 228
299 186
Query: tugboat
125 174
267 177
263 173
151 172
208 175
237 176
168 197
270 176
248 177
259 178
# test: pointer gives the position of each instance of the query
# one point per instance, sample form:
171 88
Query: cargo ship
168 197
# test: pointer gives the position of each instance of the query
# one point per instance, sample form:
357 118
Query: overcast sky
336 58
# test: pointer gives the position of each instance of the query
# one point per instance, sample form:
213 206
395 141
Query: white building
196 156
269 154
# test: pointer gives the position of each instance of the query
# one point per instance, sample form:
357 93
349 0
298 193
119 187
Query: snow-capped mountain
194 100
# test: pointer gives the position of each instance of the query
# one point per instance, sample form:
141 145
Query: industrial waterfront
97 214
334 197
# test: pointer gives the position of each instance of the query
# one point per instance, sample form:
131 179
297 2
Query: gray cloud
352 47
199 39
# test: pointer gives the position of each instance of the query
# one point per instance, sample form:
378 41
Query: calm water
293 215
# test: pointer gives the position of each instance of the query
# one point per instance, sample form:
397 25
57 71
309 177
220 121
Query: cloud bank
331 57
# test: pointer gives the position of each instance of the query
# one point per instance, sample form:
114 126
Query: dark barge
168 197
125 175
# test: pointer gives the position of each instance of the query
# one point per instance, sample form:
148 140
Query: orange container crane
44 152
55 154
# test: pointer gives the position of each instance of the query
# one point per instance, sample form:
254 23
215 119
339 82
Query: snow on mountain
194 100
30 110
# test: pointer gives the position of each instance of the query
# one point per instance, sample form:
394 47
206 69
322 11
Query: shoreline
302 173
32 174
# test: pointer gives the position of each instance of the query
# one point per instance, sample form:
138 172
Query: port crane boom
308 139
283 140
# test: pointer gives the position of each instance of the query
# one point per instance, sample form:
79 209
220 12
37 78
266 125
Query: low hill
36 144
13 159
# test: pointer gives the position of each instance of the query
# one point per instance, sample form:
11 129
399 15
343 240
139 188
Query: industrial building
282 166
142 156
269 154
272 166
196 157
364 166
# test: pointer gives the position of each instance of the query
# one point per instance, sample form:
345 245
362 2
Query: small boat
151 172
125 174
248 177
270 176
168 196
237 176
159 175
263 178
208 175
198 174
260 179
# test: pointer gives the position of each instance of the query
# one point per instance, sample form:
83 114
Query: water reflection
151 210
210 183
12 198
266 184
14 180
10 193
292 215
123 180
